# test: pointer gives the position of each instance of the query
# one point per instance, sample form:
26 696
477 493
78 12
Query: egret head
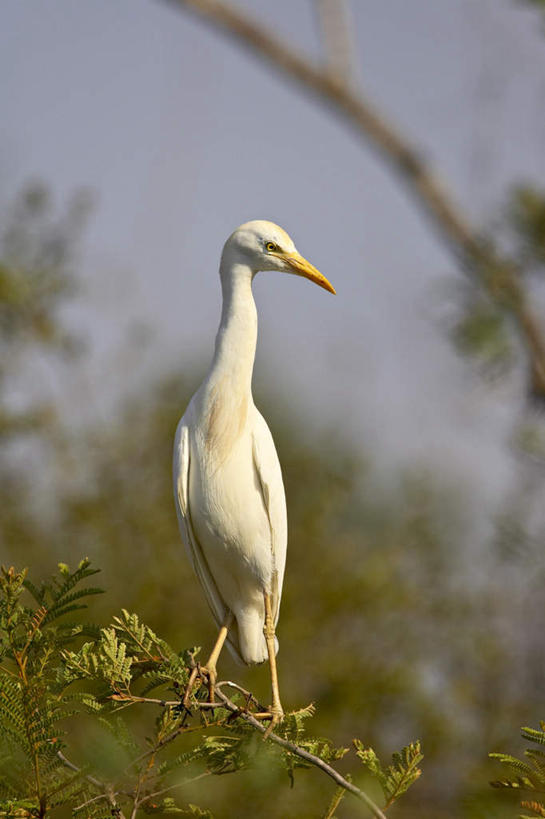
263 245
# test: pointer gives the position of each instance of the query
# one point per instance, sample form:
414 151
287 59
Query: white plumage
227 479
233 517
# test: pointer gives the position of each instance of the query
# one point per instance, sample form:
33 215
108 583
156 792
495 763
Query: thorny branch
495 273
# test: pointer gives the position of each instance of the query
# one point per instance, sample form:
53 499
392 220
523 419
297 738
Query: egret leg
210 668
277 711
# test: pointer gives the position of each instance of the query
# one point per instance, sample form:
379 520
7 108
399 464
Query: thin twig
93 799
173 787
107 790
334 804
182 729
131 698
91 779
248 694
497 274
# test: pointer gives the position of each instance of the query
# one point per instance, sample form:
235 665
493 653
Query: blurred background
134 139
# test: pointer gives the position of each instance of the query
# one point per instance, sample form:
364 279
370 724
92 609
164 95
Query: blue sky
183 136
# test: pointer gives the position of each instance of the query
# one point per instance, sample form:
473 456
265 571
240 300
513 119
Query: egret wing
181 469
269 475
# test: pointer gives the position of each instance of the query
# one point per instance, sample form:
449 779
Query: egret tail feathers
246 640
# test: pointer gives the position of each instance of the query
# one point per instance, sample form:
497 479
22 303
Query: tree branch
224 702
337 39
295 749
496 274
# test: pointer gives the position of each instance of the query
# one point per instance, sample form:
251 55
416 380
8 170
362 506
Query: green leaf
523 770
142 640
336 800
398 777
533 735
371 762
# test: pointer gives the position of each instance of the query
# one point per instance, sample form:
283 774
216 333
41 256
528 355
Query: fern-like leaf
533 735
398 777
523 772
536 807
336 800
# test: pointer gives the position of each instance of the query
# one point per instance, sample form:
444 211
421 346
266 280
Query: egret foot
211 675
208 672
276 716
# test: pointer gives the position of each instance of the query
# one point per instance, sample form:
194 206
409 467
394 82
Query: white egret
227 480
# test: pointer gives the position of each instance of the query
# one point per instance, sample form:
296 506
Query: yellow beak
301 267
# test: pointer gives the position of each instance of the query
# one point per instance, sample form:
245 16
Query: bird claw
203 675
276 715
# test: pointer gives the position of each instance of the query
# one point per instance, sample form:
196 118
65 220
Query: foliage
398 777
528 774
378 648
540 4
38 250
32 708
481 332
526 218
36 256
482 329
48 683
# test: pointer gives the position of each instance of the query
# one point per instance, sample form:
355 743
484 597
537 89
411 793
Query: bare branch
496 274
132 698
338 44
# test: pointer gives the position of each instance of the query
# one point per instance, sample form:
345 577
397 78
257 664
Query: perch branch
295 749
226 703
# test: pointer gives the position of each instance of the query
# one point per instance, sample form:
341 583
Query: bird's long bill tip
302 267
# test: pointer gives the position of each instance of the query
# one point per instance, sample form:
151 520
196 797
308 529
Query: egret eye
271 247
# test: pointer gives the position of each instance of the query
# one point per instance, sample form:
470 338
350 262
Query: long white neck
237 334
